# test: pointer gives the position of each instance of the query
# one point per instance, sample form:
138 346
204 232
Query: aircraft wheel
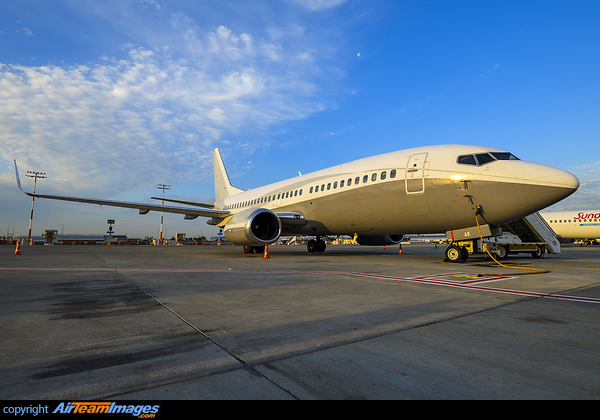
312 245
501 252
455 253
538 253
321 245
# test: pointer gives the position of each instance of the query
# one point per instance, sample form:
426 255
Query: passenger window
342 183
296 193
300 191
467 160
357 180
374 177
323 187
365 178
329 186
393 173
383 175
349 181
484 158
335 185
311 190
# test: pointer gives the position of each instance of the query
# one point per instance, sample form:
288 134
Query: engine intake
253 227
374 240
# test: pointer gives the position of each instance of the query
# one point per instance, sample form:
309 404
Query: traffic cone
18 250
266 252
400 250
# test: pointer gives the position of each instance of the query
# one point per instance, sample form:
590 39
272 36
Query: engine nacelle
374 240
253 227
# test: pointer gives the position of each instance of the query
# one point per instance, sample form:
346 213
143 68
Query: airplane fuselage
584 224
421 190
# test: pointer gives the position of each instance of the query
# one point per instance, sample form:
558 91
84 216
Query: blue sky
112 97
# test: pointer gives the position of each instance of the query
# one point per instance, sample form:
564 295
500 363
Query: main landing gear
316 245
254 249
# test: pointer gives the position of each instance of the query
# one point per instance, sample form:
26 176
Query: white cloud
25 31
87 124
318 5
587 196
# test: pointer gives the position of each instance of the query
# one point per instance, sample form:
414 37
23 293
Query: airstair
534 229
528 235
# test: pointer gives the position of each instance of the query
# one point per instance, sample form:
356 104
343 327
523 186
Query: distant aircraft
426 190
569 225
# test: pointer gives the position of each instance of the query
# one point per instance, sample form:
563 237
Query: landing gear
456 254
254 249
316 245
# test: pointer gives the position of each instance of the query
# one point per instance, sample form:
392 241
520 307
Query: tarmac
213 323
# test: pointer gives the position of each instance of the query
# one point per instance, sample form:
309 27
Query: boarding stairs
534 229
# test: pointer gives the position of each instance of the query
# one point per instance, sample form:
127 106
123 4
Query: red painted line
487 289
420 279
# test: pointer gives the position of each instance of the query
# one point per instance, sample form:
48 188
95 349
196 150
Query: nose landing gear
456 253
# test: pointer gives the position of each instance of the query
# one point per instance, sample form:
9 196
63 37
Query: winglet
18 179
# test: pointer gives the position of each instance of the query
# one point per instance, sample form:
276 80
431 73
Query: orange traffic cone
400 250
18 250
266 252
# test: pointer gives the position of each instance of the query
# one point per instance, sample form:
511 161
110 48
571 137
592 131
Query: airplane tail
223 187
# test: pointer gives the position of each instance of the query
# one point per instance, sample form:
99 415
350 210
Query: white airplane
569 225
426 189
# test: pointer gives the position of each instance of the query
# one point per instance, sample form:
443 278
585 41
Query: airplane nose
550 176
546 185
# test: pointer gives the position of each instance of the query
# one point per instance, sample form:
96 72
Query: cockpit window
467 160
504 156
483 158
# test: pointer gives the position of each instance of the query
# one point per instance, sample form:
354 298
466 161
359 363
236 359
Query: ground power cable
485 248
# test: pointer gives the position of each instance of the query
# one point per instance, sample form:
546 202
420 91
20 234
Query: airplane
428 189
570 225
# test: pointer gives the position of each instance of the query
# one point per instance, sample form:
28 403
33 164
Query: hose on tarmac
485 248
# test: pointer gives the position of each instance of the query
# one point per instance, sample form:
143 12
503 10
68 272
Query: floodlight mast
35 175
162 187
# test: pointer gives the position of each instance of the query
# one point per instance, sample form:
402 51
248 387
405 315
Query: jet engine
253 226
374 240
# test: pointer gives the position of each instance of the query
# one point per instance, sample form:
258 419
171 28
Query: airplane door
415 174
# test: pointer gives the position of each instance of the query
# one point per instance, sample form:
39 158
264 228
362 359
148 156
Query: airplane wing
144 208
190 203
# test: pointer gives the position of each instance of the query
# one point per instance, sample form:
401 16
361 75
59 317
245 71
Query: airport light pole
35 175
162 187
